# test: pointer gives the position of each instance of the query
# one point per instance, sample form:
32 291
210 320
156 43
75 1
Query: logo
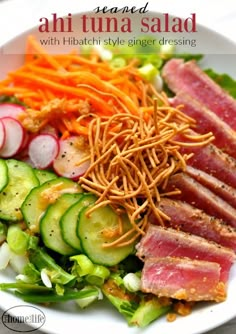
23 318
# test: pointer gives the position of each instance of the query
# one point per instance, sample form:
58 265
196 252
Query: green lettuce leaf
10 99
223 80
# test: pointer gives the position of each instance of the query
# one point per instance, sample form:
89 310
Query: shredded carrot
34 47
132 131
84 81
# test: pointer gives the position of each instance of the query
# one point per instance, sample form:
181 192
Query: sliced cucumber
50 229
41 197
3 174
44 175
92 231
69 221
21 180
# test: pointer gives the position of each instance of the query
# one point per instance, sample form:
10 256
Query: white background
19 15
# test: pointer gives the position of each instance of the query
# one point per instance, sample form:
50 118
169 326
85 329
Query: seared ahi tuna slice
187 218
213 161
187 77
202 198
220 188
163 242
182 278
207 121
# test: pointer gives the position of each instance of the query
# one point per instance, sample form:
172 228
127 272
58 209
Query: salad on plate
111 183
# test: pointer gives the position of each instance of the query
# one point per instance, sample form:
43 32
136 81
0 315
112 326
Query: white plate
102 317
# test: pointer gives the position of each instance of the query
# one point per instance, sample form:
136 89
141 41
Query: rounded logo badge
23 318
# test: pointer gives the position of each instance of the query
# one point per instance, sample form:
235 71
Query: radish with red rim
10 110
2 134
14 137
43 149
71 151
26 141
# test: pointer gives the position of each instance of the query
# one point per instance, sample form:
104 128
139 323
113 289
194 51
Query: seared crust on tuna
182 278
161 242
187 218
190 78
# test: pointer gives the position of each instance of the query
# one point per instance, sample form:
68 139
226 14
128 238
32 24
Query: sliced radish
43 149
2 134
67 163
26 141
10 110
14 137
28 161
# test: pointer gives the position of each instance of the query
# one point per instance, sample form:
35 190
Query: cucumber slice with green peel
44 175
69 220
3 174
37 201
50 229
21 181
98 228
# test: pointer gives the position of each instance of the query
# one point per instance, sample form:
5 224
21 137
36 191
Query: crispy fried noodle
132 158
134 134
